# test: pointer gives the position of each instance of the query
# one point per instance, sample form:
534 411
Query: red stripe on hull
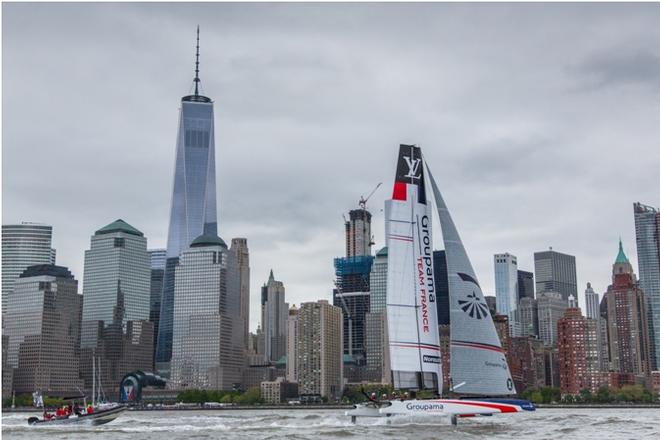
502 408
400 191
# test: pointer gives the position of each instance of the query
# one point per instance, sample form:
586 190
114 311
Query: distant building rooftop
46 269
208 240
119 225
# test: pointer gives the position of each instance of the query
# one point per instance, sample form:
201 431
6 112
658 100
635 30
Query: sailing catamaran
478 366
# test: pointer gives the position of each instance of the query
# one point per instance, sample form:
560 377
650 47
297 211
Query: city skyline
523 181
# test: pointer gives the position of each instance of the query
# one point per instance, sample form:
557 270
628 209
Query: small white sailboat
478 365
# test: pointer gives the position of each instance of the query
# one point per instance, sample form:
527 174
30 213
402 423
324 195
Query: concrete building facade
43 328
274 315
320 366
240 248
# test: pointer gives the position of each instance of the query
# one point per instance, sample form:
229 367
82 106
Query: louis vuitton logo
413 167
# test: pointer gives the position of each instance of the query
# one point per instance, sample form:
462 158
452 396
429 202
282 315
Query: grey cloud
311 101
620 67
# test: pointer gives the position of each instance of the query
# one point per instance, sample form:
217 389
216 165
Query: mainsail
411 309
478 365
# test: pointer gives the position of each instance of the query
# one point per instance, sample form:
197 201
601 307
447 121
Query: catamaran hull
441 407
99 417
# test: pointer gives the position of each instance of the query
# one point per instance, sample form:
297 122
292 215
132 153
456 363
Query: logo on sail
428 359
413 167
473 306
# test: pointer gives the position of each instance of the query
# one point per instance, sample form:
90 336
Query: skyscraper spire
197 66
621 256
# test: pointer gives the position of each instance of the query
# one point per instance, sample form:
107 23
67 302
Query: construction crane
363 201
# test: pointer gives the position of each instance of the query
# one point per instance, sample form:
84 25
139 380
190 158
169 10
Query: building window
119 242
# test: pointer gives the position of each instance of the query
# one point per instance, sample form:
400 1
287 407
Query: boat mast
100 387
93 380
413 231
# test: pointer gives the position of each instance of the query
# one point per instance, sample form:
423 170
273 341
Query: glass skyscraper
376 347
208 329
117 255
647 231
158 258
23 245
43 329
555 272
193 211
506 290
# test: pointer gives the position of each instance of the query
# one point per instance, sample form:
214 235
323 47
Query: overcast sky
540 122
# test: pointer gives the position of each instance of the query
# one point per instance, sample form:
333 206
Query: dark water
565 424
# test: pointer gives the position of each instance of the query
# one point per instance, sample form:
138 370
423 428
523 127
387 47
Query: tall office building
528 311
208 348
378 282
491 302
157 258
7 370
555 272
647 232
551 307
292 345
577 344
23 245
117 254
274 315
120 346
603 336
627 320
43 329
320 367
194 209
358 233
592 302
506 290
441 286
240 249
352 282
376 346
525 284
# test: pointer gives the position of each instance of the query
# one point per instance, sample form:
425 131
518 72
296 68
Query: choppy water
314 424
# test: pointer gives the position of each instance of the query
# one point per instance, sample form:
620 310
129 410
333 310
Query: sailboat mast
413 232
100 388
93 379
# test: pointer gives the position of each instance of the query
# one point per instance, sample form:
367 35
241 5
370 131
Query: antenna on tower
197 66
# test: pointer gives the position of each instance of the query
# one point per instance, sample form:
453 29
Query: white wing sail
411 310
478 364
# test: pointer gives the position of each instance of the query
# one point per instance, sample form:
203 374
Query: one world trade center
193 211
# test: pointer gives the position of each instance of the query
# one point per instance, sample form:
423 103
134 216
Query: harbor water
573 423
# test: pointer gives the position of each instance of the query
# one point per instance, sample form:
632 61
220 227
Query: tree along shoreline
626 395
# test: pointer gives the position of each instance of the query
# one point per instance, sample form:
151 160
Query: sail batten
478 364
